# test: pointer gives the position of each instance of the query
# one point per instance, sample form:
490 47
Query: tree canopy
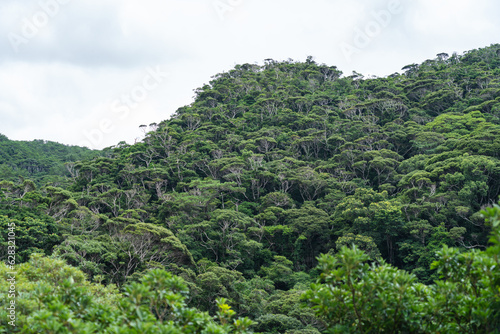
236 197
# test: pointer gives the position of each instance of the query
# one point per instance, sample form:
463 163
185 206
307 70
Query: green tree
353 296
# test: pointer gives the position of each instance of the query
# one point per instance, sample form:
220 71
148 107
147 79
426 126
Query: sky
91 72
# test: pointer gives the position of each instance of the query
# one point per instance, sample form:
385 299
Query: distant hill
39 160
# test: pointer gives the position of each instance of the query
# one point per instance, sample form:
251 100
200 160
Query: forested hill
292 157
40 160
275 164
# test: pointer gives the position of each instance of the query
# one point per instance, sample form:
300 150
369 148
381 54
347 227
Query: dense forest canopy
39 160
239 193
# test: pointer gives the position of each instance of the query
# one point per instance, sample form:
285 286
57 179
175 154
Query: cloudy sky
90 72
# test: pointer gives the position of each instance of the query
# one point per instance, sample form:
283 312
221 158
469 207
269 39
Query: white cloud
60 85
451 18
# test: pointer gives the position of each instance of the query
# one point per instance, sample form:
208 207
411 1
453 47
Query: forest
287 198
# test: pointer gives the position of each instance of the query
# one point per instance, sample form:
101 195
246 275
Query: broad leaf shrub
353 295
53 297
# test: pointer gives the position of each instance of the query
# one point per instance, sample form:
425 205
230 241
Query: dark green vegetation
271 166
39 160
351 297
355 297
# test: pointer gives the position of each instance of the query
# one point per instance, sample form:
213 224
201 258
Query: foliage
40 160
272 165
353 296
56 298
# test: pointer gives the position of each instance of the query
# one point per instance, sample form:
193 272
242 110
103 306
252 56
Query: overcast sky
90 72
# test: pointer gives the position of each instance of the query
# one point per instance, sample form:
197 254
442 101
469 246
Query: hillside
40 160
271 166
